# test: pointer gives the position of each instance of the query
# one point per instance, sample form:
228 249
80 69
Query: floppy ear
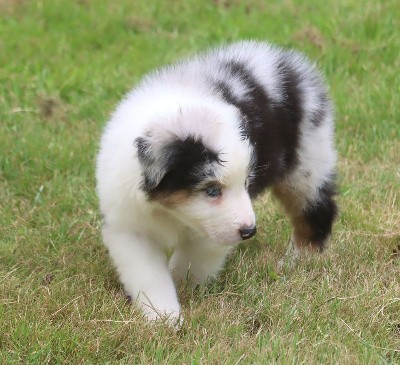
173 164
152 162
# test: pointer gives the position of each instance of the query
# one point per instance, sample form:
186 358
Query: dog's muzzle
247 232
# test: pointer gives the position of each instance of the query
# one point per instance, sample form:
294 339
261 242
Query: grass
63 67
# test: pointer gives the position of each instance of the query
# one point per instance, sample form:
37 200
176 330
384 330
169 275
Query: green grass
63 67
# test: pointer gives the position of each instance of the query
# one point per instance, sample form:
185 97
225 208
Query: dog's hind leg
311 211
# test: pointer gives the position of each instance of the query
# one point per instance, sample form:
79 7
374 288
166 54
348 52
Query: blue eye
214 191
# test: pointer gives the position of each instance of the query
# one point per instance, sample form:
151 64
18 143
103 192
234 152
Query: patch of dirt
312 35
51 107
47 279
256 323
224 3
9 7
396 255
396 329
140 24
250 5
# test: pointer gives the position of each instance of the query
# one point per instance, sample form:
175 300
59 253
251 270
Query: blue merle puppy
190 147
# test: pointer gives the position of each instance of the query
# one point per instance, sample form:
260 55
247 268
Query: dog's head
196 164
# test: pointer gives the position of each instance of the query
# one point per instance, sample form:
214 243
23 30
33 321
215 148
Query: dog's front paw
172 320
170 316
183 272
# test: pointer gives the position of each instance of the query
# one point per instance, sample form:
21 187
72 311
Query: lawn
63 67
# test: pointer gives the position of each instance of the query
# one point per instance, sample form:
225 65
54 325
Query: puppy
189 148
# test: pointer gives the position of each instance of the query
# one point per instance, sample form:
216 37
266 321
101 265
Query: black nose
248 232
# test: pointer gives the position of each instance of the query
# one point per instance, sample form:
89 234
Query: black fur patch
273 129
143 145
319 115
185 164
146 159
320 215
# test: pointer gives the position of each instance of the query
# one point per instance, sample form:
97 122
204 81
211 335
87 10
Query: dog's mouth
225 238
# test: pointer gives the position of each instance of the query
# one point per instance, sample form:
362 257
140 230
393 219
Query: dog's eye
214 191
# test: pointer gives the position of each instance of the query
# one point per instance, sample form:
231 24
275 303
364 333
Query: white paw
172 320
183 272
172 317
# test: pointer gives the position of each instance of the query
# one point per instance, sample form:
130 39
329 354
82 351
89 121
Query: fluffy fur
191 145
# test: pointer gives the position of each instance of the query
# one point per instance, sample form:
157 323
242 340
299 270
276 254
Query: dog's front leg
198 262
143 270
